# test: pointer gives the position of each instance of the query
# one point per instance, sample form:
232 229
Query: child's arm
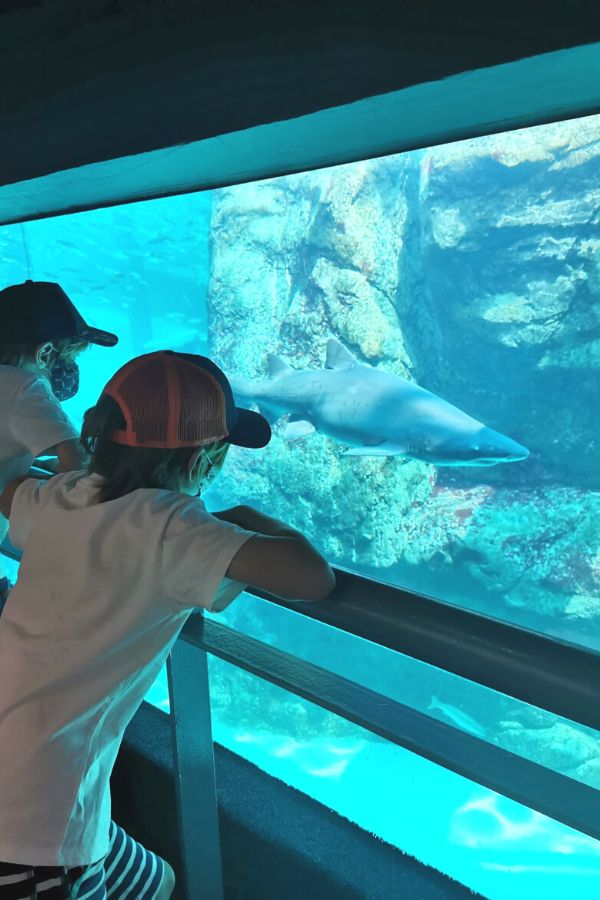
69 455
279 559
6 498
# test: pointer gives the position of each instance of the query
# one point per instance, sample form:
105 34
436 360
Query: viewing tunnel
384 225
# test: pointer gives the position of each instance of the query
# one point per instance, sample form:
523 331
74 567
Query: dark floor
277 844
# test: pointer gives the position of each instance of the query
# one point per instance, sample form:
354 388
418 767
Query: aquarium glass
460 285
495 846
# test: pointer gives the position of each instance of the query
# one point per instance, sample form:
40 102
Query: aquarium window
423 331
489 843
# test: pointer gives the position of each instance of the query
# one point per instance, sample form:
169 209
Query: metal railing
559 677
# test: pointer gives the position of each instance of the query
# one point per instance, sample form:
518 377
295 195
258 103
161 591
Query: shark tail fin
276 366
339 357
246 390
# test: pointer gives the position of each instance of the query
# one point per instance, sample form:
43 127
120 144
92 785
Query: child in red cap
115 560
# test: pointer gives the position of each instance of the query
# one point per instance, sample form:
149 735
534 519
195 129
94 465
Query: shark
373 412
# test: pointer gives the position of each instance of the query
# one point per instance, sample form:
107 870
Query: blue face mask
64 379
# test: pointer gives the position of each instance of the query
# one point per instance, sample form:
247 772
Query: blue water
473 271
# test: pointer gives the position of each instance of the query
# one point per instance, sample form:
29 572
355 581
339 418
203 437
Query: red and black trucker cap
38 311
171 400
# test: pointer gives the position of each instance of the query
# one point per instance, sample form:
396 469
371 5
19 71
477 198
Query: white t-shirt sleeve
197 551
37 420
26 502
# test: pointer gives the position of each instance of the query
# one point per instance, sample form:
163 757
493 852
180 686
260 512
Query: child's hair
20 354
125 469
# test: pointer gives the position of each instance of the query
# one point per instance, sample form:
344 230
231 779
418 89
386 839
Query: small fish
458 717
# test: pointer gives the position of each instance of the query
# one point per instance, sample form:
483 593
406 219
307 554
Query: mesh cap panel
202 416
145 404
170 401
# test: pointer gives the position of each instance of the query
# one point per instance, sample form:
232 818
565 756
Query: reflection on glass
493 845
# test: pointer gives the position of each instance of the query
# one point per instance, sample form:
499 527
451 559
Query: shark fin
300 428
277 366
338 357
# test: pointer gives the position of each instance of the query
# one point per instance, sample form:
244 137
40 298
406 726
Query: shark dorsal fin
277 366
338 357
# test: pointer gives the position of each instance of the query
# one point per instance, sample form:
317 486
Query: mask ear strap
50 350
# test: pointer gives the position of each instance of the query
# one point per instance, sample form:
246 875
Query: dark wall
82 82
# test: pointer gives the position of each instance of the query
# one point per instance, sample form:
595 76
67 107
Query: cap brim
97 336
251 430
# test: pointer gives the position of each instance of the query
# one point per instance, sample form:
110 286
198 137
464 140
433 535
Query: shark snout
491 447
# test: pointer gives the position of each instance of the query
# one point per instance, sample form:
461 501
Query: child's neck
34 369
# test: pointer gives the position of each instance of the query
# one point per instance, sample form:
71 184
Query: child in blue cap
41 336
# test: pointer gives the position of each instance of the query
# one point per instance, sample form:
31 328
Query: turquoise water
473 272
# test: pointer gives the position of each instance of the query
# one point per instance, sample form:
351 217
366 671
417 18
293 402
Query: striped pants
128 872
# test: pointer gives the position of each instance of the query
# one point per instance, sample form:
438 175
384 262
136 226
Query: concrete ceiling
86 82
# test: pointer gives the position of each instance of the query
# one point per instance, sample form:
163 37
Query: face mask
64 379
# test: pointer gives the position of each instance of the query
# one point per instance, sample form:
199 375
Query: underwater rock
295 261
354 509
561 747
506 265
536 551
539 549
292 266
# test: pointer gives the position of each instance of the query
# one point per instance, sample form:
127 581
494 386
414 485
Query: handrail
551 674
546 672
478 759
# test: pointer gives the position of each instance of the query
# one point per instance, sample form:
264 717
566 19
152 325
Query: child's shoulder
178 510
15 378
83 488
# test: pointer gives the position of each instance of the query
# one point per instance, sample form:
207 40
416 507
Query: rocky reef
474 269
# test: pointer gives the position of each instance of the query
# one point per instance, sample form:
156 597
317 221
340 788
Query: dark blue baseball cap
38 311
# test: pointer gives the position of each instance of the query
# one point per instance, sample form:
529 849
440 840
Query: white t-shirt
31 421
102 593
